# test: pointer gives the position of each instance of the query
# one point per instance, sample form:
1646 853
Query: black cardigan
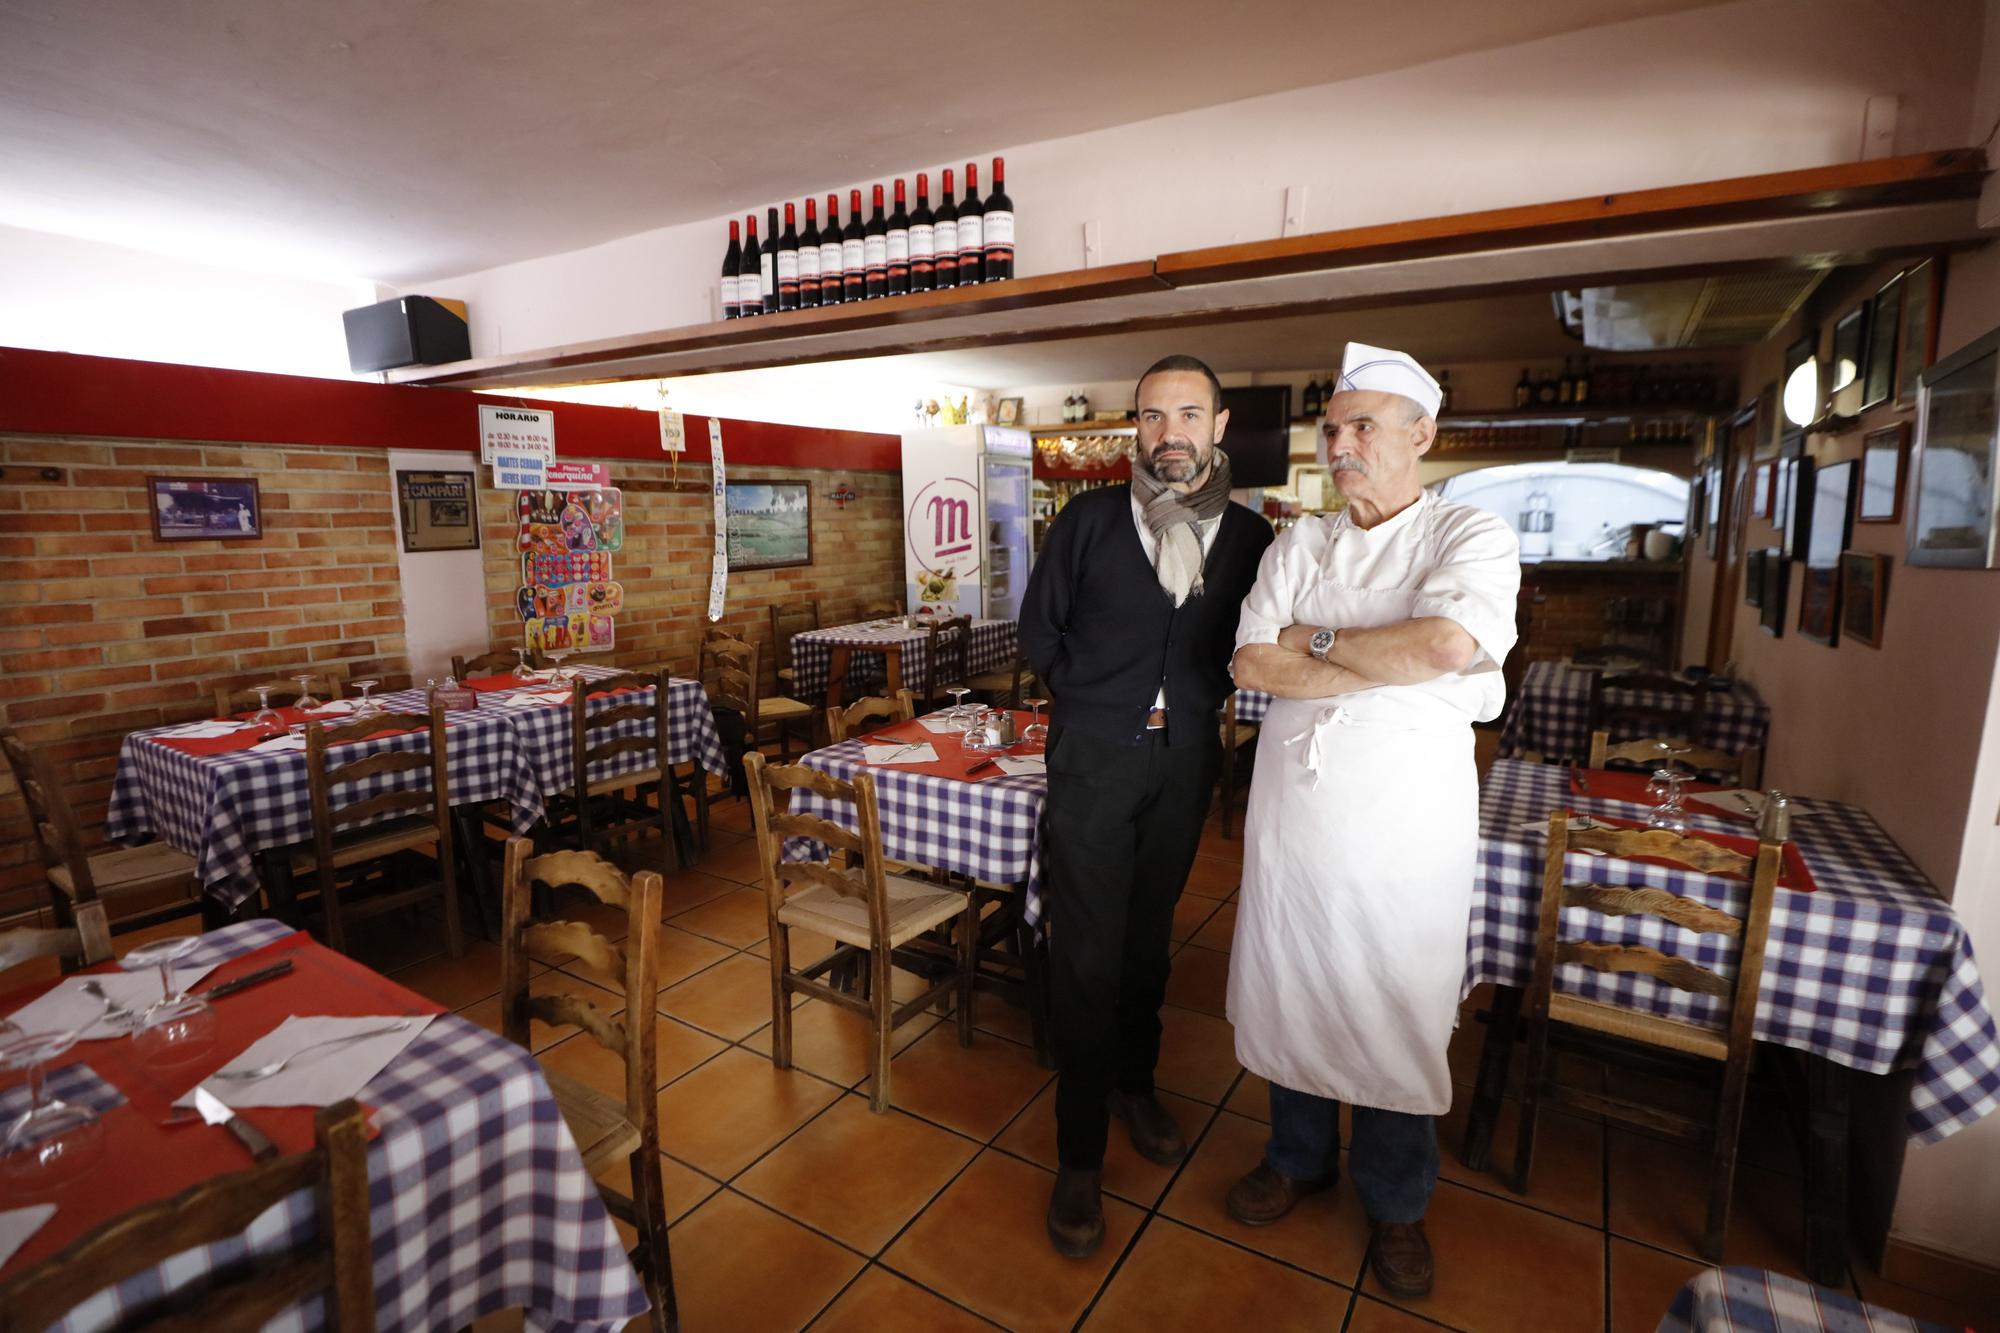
1104 635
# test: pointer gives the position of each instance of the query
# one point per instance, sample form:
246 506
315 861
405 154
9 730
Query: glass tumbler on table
54 1141
177 1027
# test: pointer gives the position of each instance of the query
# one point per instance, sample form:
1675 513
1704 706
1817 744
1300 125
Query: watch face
1321 641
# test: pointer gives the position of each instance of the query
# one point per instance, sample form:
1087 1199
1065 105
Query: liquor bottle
1069 409
1582 394
998 245
947 236
853 252
875 250
767 259
809 258
923 239
1566 386
788 262
971 231
1545 391
829 254
1524 389
732 260
898 245
1082 406
1444 392
1313 397
750 278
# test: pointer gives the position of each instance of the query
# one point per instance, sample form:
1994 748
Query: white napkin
288 741
1015 768
17 1224
1735 800
318 1077
532 699
338 707
916 752
938 725
65 1008
205 730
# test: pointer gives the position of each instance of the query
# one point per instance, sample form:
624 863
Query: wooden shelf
1112 426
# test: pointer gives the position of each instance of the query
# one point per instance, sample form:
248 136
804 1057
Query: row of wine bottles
1318 394
955 245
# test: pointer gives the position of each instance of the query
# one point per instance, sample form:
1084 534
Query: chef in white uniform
1380 630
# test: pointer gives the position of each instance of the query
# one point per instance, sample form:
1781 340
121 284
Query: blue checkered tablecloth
1753 1300
994 645
478 1197
1550 714
544 733
1251 705
1873 971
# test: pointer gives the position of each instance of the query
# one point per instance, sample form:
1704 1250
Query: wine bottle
971 231
998 246
830 254
1069 408
750 278
1444 391
1582 394
732 260
788 262
1545 391
1313 397
923 238
947 236
1524 389
898 246
767 259
1566 386
809 258
875 246
853 252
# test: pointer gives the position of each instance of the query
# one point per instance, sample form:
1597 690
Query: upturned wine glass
267 716
955 716
1035 736
177 1027
523 671
366 705
54 1141
305 700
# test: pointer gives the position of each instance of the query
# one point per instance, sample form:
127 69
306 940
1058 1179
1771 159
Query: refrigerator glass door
1004 483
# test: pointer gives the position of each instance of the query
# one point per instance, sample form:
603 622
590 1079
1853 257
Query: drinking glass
1665 788
523 671
1035 736
305 700
267 716
177 1027
955 716
366 705
53 1142
560 656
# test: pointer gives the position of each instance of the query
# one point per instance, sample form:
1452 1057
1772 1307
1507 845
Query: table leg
892 661
1826 1170
1494 1057
836 675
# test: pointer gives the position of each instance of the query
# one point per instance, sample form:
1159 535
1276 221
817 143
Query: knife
235 984
981 767
215 1112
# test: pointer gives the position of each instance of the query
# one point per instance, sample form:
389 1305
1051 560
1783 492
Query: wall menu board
439 511
568 598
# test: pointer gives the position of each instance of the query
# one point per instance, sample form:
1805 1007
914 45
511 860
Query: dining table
1740 1299
842 661
1549 714
478 1198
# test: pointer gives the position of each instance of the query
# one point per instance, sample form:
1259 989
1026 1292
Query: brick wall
1571 607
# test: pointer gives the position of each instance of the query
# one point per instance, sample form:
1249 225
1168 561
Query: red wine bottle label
809 264
1000 232
875 251
898 247
729 290
788 270
971 240
946 242
923 242
853 255
829 259
764 266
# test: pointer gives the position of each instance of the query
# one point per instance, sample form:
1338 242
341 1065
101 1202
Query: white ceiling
404 140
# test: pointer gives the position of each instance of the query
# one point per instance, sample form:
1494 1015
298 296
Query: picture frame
205 509
1777 581
1831 527
1864 588
1953 504
1798 523
1712 496
1763 478
1819 605
1916 342
1697 503
439 510
1848 359
1007 412
1769 419
1781 492
1884 456
1753 576
770 524
1885 317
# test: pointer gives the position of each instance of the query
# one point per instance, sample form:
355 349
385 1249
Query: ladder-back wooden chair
609 807
1620 656
499 662
947 658
870 913
862 714
1009 687
787 619
1239 747
1745 768
730 670
79 945
325 687
607 1129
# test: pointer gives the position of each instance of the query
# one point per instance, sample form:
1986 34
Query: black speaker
409 331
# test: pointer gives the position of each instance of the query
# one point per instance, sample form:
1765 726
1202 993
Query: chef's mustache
1350 465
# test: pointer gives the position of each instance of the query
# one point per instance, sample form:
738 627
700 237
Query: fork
266 1070
112 1009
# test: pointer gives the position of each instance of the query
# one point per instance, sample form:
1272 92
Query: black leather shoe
1076 1213
1154 1132
1400 1258
1263 1196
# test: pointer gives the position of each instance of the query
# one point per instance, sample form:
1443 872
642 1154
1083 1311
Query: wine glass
1665 788
177 1027
523 671
53 1142
305 701
366 706
955 715
1035 736
560 656
266 716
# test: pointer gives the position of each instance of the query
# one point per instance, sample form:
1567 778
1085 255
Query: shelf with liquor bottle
1606 428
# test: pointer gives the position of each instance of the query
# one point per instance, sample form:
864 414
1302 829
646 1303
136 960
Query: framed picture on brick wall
205 509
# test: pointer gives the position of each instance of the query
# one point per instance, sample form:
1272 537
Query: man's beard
1177 471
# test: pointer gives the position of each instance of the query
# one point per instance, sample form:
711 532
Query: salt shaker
1777 822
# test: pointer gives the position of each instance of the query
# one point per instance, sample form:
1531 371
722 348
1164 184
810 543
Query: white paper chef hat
1379 369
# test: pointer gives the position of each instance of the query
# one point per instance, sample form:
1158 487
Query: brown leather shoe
1400 1258
1154 1131
1263 1196
1076 1213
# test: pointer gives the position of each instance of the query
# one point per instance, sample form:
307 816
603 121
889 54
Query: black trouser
1124 823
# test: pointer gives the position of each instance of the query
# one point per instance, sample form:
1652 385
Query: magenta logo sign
939 526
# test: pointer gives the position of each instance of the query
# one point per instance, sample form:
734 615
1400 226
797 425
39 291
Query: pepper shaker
1777 822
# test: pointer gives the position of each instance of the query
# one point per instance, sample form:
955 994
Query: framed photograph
205 509
1819 605
1916 348
770 524
1777 580
1850 350
1882 455
1958 415
1711 494
1762 478
440 511
1769 420
1697 503
1885 317
1753 575
1864 584
1832 523
1781 492
1798 524
1007 412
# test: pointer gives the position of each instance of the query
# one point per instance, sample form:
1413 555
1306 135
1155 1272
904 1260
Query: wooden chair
499 662
1680 717
228 702
1745 768
86 942
1728 1044
729 671
138 877
1009 687
602 807
947 656
343 840
338 1261
607 1129
1239 747
869 913
1624 656
879 611
786 620
864 713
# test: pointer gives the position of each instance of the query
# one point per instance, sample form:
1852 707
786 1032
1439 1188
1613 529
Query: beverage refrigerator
965 519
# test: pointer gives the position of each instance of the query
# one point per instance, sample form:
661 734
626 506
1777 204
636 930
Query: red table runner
1614 784
1792 871
953 758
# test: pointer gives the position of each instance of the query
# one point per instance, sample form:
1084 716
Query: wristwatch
1322 643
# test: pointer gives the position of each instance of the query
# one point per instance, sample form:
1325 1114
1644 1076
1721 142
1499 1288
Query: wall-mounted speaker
408 331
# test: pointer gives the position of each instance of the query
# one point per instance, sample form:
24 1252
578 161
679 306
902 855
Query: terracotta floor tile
807 946
682 955
1568 1172
1128 1175
736 861
454 982
1214 877
683 1190
1485 1247
973 1089
858 1176
1927 1305
677 1048
1197 1054
984 1243
1189 915
734 1109
1659 1195
836 1044
1643 1283
731 999
737 918
880 1302
1372 1316
726 814
541 1036
1200 980
1174 1271
687 889
738 1265
991 1013
1219 930
1251 1097
1325 1234
1214 845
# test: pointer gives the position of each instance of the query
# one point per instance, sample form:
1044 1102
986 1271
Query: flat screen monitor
1258 439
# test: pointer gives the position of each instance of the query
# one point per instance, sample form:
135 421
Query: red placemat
1792 871
953 758
250 737
1614 784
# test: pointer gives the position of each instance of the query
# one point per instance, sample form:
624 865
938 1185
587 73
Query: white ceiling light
1802 393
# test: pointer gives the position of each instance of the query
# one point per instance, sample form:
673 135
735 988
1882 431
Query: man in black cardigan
1130 618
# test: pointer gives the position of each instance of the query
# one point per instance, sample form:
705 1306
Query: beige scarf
1175 521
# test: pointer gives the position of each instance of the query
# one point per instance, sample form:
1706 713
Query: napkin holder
455 698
